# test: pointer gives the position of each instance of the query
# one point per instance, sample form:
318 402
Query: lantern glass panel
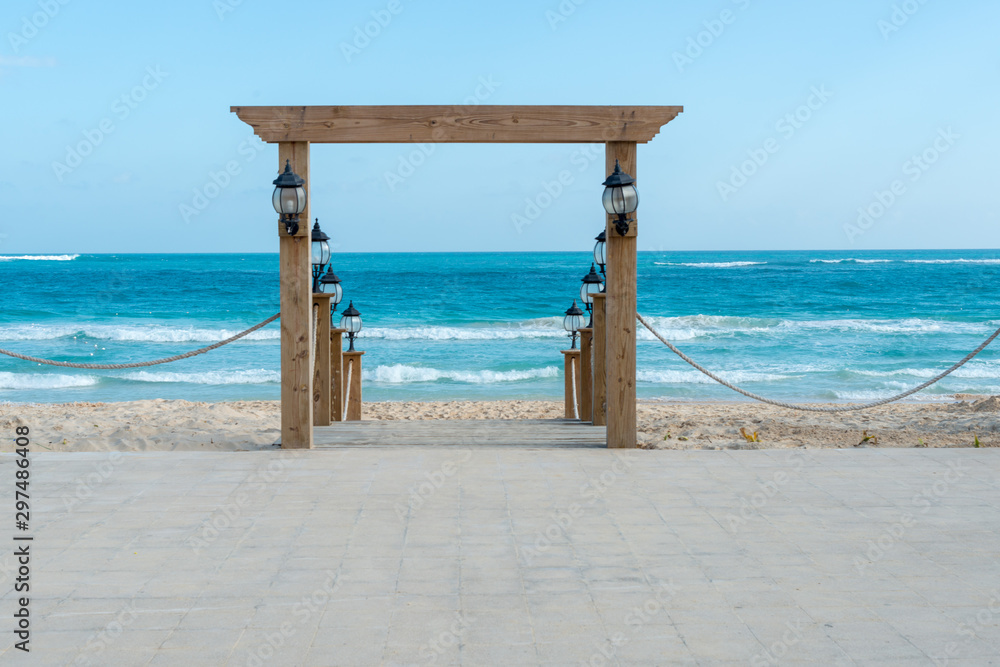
588 290
351 324
599 253
320 253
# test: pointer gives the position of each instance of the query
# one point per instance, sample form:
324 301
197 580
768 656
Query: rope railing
815 408
143 364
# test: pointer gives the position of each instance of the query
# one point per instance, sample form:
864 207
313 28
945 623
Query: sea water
805 325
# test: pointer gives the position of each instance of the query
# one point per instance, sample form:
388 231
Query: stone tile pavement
492 556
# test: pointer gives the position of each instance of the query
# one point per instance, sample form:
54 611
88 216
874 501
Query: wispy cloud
26 61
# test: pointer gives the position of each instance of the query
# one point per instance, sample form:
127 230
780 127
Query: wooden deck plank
461 433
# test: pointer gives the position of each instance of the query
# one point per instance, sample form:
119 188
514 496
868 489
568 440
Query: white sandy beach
164 425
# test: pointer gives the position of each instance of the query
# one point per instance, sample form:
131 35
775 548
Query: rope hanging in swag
812 408
141 364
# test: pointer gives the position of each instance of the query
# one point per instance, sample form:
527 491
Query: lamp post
573 322
289 198
591 285
600 254
620 198
351 322
330 284
320 255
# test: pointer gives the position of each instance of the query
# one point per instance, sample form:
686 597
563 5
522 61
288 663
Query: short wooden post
297 352
353 360
337 374
570 365
585 382
322 379
600 393
620 309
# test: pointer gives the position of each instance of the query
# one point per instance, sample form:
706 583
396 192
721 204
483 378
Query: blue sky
829 102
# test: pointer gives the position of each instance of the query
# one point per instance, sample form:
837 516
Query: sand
162 425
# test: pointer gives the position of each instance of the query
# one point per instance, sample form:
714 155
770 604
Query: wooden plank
296 317
586 382
337 374
354 392
620 314
457 123
600 392
514 433
322 379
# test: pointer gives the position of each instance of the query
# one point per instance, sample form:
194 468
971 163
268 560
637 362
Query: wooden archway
620 128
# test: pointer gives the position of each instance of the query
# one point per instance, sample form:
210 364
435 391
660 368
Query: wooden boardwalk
462 432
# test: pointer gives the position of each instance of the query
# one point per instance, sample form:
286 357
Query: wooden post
570 365
586 383
337 374
600 393
620 313
296 314
322 379
354 391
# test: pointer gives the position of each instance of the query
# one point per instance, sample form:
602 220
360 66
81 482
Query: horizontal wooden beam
457 124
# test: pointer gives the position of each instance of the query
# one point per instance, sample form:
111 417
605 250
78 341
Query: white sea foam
709 265
254 376
952 261
45 381
973 370
43 258
403 374
131 333
461 333
850 259
697 377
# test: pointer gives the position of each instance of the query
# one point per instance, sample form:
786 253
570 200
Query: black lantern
330 284
591 285
351 321
320 254
289 198
600 252
620 198
573 322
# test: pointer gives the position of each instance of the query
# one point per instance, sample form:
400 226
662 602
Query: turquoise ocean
803 325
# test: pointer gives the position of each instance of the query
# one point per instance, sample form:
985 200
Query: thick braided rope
811 408
347 392
141 364
315 329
